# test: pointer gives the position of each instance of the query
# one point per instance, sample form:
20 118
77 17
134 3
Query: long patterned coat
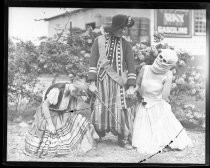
120 55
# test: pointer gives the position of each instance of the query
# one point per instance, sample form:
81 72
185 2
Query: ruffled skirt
155 127
74 135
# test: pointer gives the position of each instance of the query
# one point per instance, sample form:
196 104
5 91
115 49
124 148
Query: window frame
86 25
194 20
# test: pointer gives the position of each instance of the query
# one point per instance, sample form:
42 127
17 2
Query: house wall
97 15
195 45
55 23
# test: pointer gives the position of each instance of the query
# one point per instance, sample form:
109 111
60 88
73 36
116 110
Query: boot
124 143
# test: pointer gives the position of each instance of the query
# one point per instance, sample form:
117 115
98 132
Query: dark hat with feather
118 22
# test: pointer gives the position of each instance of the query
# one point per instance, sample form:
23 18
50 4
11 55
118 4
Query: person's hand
92 87
130 92
51 128
136 89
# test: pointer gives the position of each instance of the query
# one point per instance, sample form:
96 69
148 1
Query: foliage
70 55
188 85
22 74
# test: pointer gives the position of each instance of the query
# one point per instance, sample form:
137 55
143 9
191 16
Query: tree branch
39 19
60 34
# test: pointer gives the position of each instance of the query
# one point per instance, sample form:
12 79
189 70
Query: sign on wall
173 23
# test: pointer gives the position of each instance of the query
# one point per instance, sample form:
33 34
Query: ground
107 150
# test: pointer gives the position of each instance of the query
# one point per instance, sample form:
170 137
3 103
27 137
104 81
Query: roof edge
66 13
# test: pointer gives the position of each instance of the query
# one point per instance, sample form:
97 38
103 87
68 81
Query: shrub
70 55
188 87
67 56
22 73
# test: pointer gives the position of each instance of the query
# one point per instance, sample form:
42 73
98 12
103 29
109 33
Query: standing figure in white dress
155 124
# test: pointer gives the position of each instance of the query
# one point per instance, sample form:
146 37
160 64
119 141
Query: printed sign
173 22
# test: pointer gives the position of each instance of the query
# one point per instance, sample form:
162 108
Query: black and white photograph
107 85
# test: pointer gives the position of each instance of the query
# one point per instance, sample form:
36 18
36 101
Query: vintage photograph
106 85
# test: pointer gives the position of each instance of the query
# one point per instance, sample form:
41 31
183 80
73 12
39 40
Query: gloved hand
130 92
92 87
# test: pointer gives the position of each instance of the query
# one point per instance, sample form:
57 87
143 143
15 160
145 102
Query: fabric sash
104 63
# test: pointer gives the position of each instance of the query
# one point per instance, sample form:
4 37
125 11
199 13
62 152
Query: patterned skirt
75 135
119 120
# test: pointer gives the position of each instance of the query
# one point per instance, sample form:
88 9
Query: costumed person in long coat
111 58
155 125
57 130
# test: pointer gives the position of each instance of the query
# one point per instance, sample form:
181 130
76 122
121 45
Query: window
200 22
90 25
108 21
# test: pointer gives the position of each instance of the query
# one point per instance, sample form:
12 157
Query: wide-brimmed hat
119 21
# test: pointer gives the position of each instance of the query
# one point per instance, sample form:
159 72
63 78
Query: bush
67 56
70 55
22 73
188 88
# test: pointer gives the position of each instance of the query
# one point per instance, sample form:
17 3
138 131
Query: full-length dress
119 121
155 125
73 131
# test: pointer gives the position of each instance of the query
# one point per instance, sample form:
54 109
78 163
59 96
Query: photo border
96 4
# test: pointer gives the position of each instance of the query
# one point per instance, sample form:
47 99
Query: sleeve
129 59
139 77
167 85
52 96
93 61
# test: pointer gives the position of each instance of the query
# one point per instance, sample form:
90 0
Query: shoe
120 143
99 139
128 146
167 149
124 144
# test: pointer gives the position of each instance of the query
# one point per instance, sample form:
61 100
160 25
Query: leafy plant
26 62
22 73
70 55
188 85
